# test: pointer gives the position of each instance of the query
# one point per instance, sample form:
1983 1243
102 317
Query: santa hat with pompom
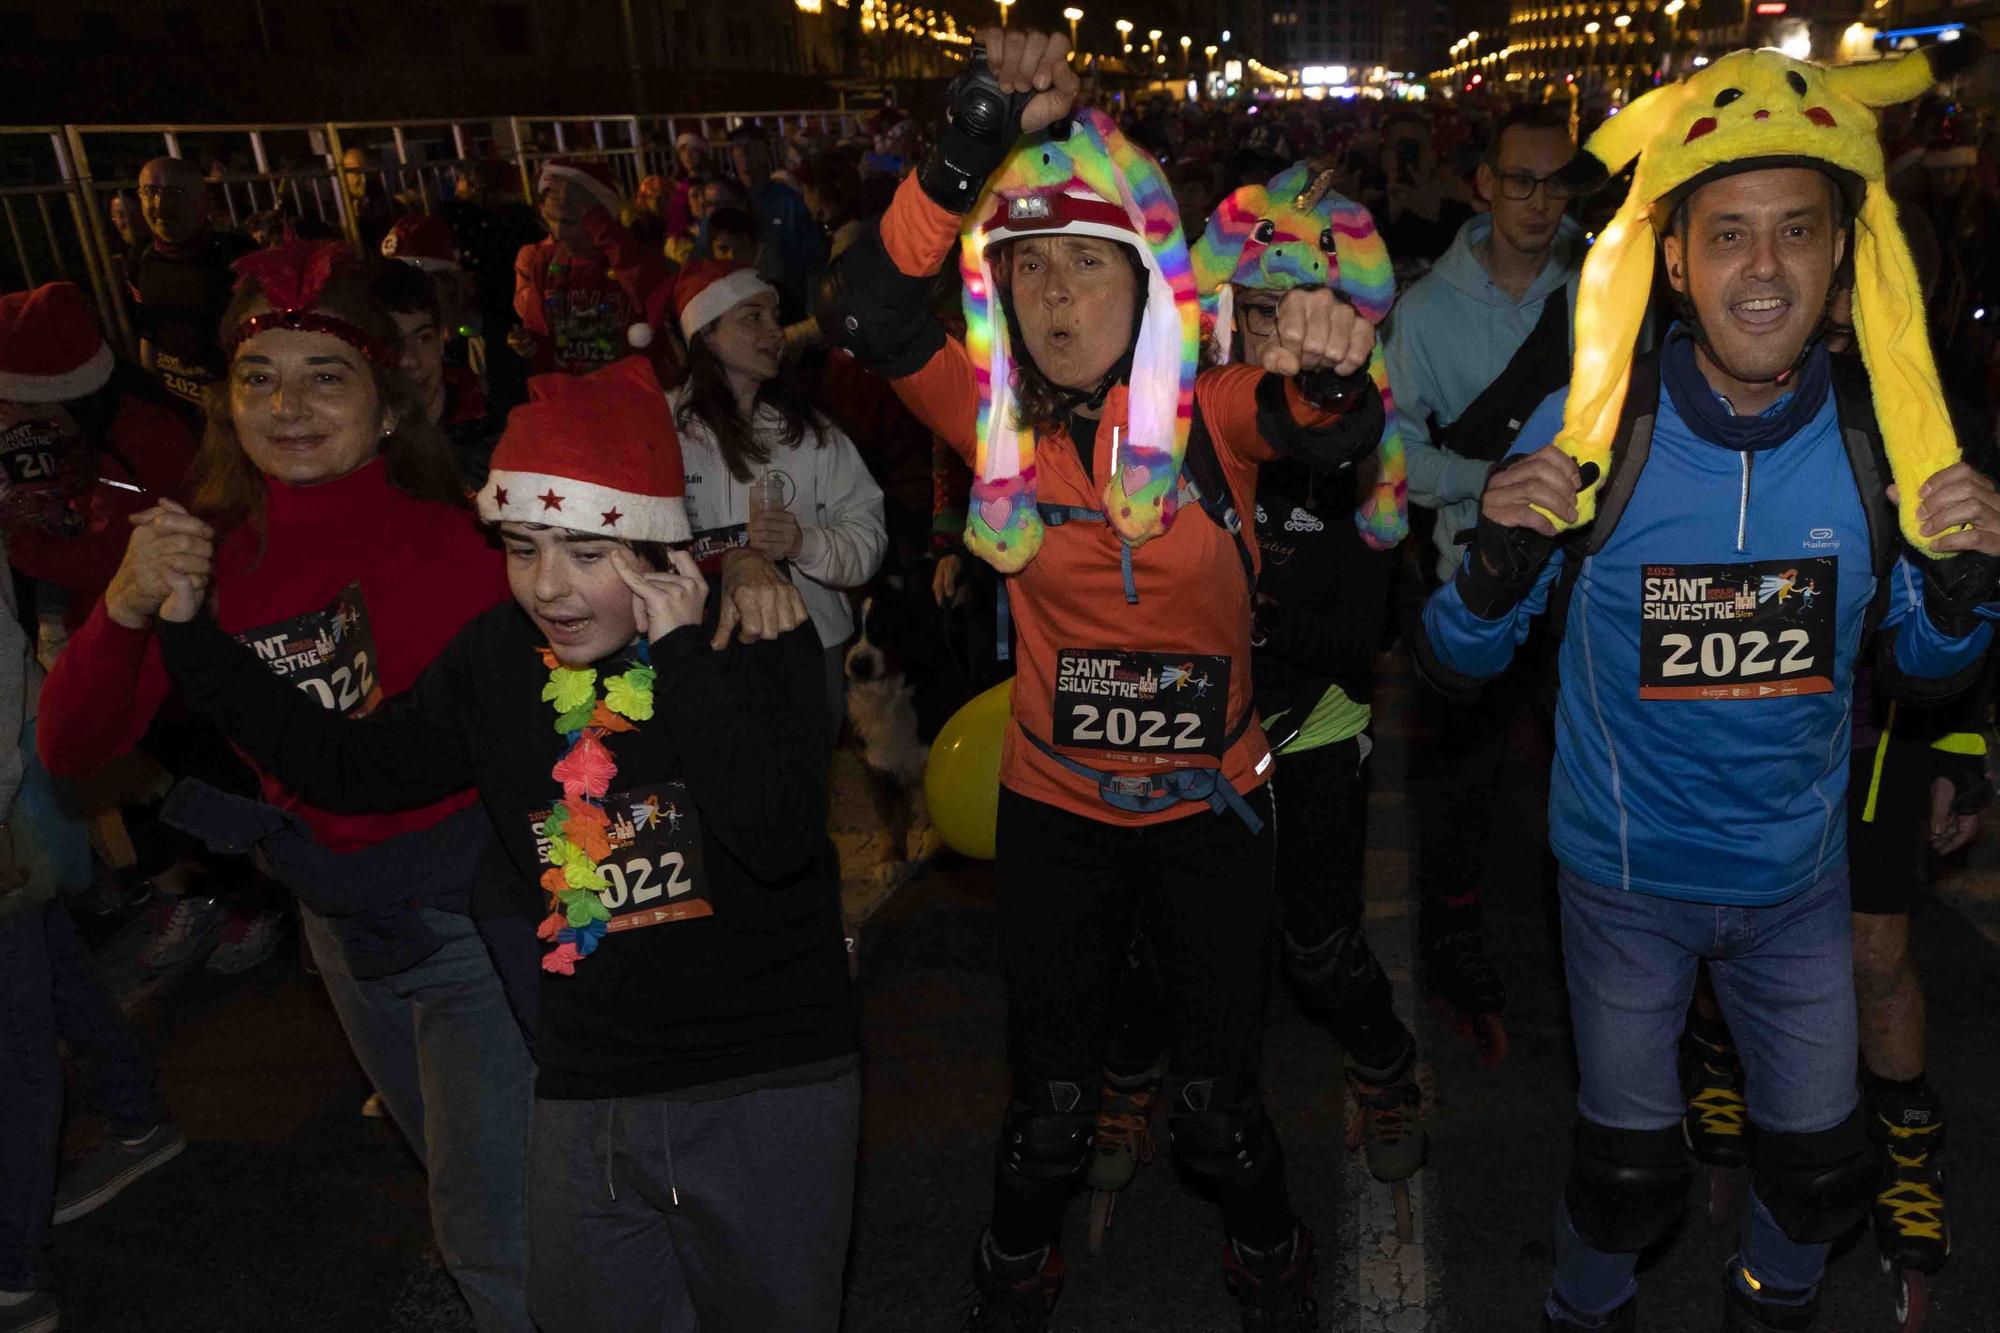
593 453
707 289
50 348
423 241
594 177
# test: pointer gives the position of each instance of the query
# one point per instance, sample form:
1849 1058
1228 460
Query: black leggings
1323 843
1072 891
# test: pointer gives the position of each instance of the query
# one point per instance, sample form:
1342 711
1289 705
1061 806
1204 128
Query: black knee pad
1047 1138
1233 1144
1626 1186
1818 1185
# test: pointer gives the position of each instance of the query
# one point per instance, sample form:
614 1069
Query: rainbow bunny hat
1094 183
1296 232
1755 109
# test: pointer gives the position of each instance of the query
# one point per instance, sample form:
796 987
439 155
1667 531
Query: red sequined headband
312 321
291 277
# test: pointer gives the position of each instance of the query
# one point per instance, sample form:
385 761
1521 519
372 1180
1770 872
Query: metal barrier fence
58 183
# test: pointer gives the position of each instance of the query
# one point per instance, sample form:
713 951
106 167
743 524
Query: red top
358 588
582 307
147 445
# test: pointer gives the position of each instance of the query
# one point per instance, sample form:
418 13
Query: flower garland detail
578 829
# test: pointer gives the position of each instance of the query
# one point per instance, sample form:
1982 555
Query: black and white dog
901 689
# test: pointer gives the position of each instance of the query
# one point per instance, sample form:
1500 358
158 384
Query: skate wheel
1406 1226
1721 1195
1102 1204
1913 1301
1492 1037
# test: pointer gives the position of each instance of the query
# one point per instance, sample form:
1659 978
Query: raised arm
411 751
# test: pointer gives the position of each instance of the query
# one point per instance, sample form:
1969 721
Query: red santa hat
50 348
593 453
423 241
706 290
594 177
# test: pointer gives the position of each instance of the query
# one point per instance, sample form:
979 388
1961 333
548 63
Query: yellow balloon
962 779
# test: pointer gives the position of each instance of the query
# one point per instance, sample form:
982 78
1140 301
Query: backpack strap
1207 485
1629 452
1861 436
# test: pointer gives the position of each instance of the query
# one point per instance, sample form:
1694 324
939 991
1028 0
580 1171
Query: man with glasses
1473 347
180 279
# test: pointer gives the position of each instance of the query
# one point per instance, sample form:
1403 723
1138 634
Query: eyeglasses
1261 320
170 193
1521 185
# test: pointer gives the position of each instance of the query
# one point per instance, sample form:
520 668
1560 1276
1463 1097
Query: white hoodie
827 488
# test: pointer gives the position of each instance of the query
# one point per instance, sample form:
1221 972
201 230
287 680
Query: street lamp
1005 5
1154 40
1186 42
1073 14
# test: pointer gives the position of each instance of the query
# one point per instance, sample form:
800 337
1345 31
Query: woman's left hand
776 534
663 600
1317 329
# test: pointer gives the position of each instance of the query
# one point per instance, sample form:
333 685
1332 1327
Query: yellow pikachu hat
1748 110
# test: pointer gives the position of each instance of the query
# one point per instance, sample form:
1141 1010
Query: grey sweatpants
662 1216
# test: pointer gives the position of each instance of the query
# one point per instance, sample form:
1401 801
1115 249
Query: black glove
1954 589
981 125
1505 562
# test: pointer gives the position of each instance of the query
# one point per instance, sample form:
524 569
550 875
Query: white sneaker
247 939
184 933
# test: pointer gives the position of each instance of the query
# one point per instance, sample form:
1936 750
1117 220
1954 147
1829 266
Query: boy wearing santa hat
659 810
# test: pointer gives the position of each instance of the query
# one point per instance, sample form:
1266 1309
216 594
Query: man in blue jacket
1711 617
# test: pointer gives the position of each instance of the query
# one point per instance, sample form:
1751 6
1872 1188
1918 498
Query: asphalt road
289 1211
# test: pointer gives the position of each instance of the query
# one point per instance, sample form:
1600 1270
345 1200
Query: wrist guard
1955 588
981 125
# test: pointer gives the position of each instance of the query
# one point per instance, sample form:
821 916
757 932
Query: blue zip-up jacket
1708 665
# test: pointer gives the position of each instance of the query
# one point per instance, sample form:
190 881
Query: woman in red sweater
331 489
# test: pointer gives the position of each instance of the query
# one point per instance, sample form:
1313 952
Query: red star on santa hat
611 516
550 500
500 496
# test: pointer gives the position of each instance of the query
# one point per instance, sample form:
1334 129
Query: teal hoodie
1451 335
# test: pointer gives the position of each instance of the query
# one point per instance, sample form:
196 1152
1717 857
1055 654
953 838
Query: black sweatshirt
740 969
1323 592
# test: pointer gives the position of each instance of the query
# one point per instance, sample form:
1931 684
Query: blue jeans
47 992
1784 975
440 1044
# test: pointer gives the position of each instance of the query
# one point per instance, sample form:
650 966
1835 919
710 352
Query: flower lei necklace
577 828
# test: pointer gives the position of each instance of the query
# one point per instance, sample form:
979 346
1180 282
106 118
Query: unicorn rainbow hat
1092 183
1747 111
1296 231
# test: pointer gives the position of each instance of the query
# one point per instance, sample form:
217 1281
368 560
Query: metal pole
521 160
632 56
79 165
20 245
55 241
349 224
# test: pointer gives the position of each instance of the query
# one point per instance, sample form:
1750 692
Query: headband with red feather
291 277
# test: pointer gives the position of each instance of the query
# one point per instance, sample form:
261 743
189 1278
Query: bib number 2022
1139 728
1742 654
633 882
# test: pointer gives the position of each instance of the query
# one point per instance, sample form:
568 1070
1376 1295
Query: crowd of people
486 598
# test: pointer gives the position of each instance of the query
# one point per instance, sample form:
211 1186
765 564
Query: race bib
1758 630
1148 706
710 546
655 865
30 452
329 654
